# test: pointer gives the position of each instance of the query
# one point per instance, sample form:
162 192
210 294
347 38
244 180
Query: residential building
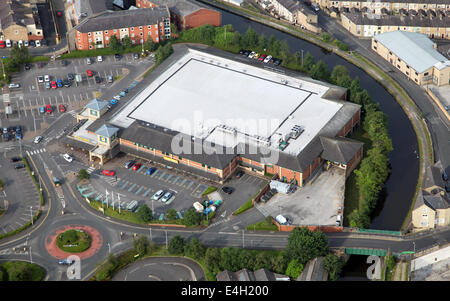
287 9
139 24
308 19
185 13
82 9
19 20
314 270
415 55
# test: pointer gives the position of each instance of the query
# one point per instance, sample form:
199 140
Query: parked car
136 166
47 85
89 73
66 83
42 110
38 43
15 159
136 56
62 108
88 61
37 139
98 79
47 78
59 83
64 63
277 62
32 43
8 43
117 56
157 195
166 197
107 172
71 76
67 157
256 56
48 109
27 66
44 42
110 78
25 43
129 164
20 43
252 54
262 57
13 86
444 176
99 59
150 171
54 85
19 166
239 174
40 79
2 44
228 189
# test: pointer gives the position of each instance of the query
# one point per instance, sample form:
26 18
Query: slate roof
96 104
226 276
339 149
415 49
290 5
123 19
92 7
437 201
181 7
433 177
107 130
400 1
14 13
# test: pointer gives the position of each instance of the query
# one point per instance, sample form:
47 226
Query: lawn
264 225
245 207
13 267
74 241
209 190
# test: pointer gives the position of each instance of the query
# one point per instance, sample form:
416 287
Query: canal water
399 189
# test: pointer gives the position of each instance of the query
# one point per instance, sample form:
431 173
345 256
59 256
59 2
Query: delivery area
320 202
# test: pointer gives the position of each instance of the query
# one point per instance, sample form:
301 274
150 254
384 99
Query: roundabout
83 241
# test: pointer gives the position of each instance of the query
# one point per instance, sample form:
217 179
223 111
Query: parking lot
18 211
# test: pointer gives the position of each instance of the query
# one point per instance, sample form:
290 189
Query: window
140 27
149 27
132 28
106 32
141 34
425 74
89 34
132 35
93 112
407 67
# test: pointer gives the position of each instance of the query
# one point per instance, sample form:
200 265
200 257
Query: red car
136 166
54 85
107 172
262 57
48 109
2 44
62 108
59 13
89 73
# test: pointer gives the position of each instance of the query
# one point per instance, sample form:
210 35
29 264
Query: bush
192 218
144 213
171 214
176 245
294 269
21 271
326 37
83 175
195 249
333 265
141 245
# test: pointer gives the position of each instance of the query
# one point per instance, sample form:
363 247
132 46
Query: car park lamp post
167 246
109 248
31 256
31 214
3 68
150 229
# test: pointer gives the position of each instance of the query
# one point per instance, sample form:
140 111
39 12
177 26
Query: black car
239 174
19 166
117 56
32 43
44 42
64 63
98 79
70 76
246 52
136 56
444 176
66 83
129 164
15 159
228 189
125 90
277 62
27 66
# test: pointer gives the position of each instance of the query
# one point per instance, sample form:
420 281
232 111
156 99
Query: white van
8 43
281 219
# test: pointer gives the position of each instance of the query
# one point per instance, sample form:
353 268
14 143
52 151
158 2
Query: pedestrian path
90 170
37 151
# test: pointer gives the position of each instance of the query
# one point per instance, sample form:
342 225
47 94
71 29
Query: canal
396 197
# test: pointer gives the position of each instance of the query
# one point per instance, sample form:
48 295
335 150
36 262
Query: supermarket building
208 113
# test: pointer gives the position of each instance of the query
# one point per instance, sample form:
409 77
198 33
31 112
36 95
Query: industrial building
206 112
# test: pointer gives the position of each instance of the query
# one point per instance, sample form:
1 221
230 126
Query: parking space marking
132 187
182 182
162 175
155 173
175 180
168 178
141 168
124 185
190 184
139 190
147 192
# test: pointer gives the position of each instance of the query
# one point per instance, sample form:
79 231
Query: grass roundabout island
74 241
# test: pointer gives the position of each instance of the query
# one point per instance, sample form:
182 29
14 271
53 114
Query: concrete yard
315 204
432 267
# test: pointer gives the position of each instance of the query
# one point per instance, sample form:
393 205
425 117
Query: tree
263 42
173 28
1 184
195 249
176 245
126 42
279 263
83 174
333 265
213 259
145 213
358 220
192 218
338 72
149 45
250 39
19 54
262 260
305 245
294 269
171 214
115 44
326 37
141 245
308 61
319 71
20 272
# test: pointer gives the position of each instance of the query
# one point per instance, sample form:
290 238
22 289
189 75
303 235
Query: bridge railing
383 232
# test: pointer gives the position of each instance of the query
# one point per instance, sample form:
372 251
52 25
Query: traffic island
74 241
83 241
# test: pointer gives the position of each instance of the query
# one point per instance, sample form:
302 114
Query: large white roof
415 49
227 102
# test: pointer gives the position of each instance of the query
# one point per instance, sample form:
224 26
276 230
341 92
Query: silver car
157 195
166 197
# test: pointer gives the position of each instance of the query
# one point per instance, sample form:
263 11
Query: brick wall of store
202 17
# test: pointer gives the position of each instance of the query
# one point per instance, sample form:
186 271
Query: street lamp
109 248
31 214
3 68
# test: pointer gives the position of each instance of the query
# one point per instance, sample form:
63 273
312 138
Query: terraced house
367 18
138 24
19 20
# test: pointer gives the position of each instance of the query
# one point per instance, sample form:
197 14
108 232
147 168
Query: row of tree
17 55
191 218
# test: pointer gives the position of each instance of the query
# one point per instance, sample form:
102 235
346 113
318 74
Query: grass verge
74 241
264 225
36 273
245 207
96 52
209 190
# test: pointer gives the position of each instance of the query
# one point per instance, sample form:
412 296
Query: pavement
317 203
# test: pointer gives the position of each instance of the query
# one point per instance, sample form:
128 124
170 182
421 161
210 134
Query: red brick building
139 24
186 14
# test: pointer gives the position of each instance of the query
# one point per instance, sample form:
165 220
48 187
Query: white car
20 43
38 43
252 54
67 157
166 197
8 43
99 58
46 78
40 79
25 44
267 59
12 86
157 195
37 139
